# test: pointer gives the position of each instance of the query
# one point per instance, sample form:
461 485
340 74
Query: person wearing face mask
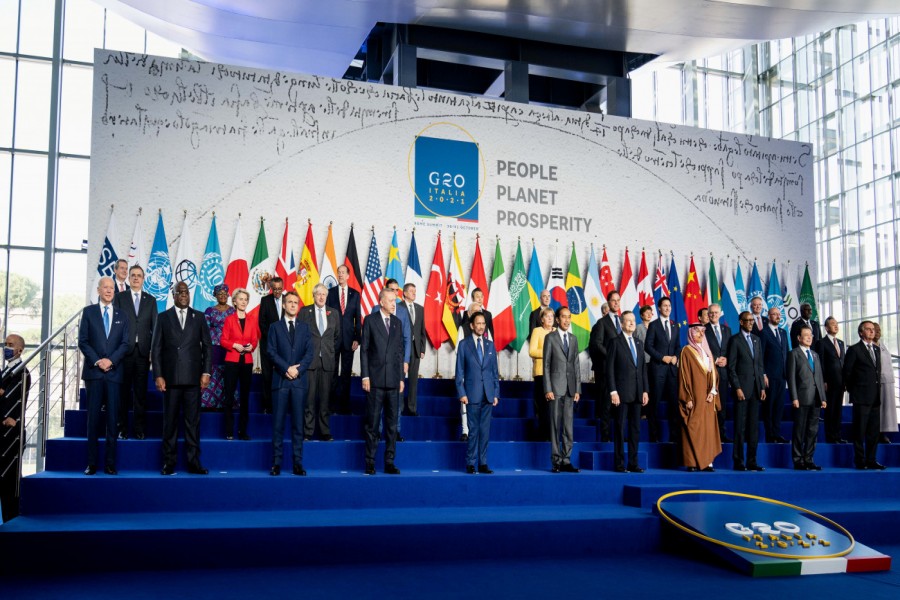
13 396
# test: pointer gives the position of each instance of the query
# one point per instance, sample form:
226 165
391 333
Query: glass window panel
869 250
826 53
861 41
69 286
72 203
862 83
831 219
75 110
9 25
836 258
36 27
642 97
122 34
884 200
162 47
33 105
84 30
830 93
7 98
26 273
870 304
846 92
850 167
880 119
866 166
845 42
787 114
668 87
848 126
877 31
29 200
881 147
5 174
833 175
775 114
878 60
887 251
854 306
850 207
895 58
715 103
866 206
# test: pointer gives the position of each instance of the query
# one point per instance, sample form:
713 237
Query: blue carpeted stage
427 517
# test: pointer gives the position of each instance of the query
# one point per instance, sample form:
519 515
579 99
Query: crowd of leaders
639 364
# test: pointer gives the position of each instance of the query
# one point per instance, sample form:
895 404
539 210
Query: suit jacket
477 379
805 385
623 376
11 401
775 352
658 346
403 315
141 324
862 376
325 347
488 324
795 331
640 333
267 314
562 374
94 343
284 353
765 320
351 322
718 349
417 330
832 363
602 331
381 359
745 370
232 334
181 356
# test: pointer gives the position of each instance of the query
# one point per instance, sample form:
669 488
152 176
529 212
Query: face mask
8 353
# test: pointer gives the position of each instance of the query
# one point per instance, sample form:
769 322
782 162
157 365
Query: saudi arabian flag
521 300
581 323
808 295
712 285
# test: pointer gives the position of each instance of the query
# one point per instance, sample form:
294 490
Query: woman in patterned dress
215 318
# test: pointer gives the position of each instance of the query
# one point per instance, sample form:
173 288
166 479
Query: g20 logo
446 173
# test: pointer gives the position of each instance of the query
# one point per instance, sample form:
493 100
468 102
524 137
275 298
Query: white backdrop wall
202 137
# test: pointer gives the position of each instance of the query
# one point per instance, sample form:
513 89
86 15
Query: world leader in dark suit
140 308
605 329
664 347
862 377
805 319
291 350
626 380
746 375
478 388
346 300
325 326
269 312
381 361
182 362
832 351
775 352
562 389
717 336
806 387
103 339
417 347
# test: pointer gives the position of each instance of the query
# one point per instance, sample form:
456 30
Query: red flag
434 298
645 286
606 279
351 261
478 279
693 299
286 268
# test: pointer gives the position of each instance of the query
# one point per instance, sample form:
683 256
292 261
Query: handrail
46 342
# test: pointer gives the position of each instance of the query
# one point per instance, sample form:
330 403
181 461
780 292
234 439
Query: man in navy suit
626 380
103 339
746 375
346 300
663 345
140 308
401 313
382 366
291 350
182 362
862 376
805 320
606 328
478 389
269 312
775 352
717 336
832 352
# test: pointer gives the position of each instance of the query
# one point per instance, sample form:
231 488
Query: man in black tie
417 346
862 376
269 312
775 352
15 382
807 390
346 300
182 361
746 375
664 346
832 351
805 320
717 336
605 329
140 308
325 326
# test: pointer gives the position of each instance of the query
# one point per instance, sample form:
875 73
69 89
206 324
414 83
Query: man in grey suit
417 346
807 389
747 378
325 326
562 389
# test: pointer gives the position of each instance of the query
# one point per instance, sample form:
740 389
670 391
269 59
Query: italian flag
501 305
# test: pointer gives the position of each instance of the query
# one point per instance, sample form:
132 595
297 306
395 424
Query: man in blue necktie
626 376
806 386
478 388
746 375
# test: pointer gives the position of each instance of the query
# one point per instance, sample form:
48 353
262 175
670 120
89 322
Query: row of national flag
511 295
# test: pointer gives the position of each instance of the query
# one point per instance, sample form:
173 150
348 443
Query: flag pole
437 364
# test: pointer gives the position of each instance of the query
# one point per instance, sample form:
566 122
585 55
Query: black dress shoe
635 469
244 436
464 437
413 414
875 466
755 467
299 470
842 441
692 469
470 469
813 467
229 437
569 468
327 438
275 471
780 440
884 439
400 438
740 467
123 435
198 470
90 470
555 469
370 470
709 470
167 470
307 438
620 470
391 469
139 436
112 470
484 470
800 467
